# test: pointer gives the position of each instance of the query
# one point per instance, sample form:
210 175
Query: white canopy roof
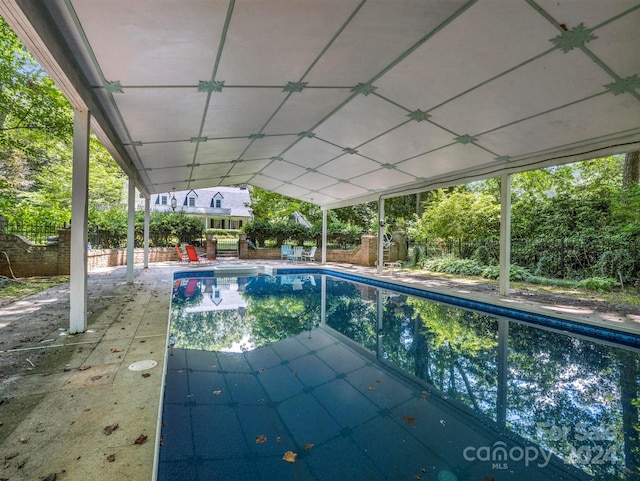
337 102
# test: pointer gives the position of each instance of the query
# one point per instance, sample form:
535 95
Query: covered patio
335 103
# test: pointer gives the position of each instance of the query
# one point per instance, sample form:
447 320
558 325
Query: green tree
32 110
460 214
36 129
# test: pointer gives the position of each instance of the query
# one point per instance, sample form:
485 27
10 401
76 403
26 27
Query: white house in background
218 207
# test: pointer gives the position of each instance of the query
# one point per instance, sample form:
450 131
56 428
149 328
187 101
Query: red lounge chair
184 259
194 258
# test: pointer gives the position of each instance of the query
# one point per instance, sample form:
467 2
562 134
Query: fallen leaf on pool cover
425 394
417 478
409 419
371 388
442 421
278 439
108 430
379 381
217 393
141 440
146 374
489 478
261 439
116 350
308 446
290 457
111 458
295 373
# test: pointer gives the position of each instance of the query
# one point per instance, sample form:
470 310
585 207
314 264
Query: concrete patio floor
70 407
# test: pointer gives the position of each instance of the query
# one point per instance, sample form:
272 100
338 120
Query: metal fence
39 234
227 244
553 258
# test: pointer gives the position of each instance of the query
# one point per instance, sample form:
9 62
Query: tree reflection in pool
486 394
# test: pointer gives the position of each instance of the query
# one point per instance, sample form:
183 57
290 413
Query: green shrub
604 284
461 267
547 266
516 273
223 232
612 264
482 255
262 232
547 281
416 256
257 231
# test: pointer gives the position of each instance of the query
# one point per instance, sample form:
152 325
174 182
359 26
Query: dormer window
216 201
190 199
164 200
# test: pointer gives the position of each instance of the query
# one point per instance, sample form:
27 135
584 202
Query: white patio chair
310 254
296 254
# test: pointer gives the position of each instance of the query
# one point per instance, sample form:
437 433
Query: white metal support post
381 231
324 236
131 230
147 205
79 222
505 233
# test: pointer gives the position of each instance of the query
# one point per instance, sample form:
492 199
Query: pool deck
71 409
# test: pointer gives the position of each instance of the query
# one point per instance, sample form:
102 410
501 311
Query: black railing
227 244
39 234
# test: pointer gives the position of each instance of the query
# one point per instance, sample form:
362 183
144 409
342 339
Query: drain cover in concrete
142 365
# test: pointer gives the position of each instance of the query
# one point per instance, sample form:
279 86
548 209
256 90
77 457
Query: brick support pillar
243 246
369 245
211 247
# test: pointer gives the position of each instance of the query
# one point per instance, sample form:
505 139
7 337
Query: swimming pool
315 375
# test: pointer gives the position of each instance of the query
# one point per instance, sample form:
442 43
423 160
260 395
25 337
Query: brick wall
29 260
365 254
21 258
97 258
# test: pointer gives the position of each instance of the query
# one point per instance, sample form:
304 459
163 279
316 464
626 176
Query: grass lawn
12 290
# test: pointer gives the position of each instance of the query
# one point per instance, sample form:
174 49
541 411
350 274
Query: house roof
339 101
235 199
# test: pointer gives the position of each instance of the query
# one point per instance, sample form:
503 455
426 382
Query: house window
216 201
192 201
163 199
